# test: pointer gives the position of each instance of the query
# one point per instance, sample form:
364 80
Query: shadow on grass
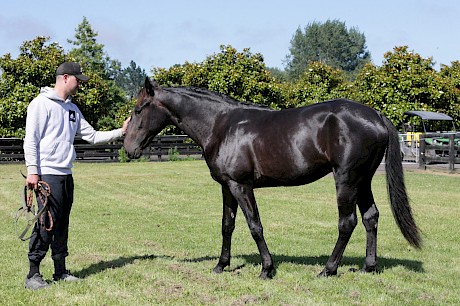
113 264
382 262
254 259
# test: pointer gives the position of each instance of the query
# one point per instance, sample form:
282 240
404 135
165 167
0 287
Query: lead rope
42 193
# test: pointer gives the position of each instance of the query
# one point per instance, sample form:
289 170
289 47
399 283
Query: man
52 123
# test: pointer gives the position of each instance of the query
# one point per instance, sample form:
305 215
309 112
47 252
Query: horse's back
341 108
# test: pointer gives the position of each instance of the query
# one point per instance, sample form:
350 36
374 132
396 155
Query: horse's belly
290 176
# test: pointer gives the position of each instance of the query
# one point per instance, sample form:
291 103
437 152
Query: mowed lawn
150 234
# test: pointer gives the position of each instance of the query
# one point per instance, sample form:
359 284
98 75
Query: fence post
421 157
159 148
451 152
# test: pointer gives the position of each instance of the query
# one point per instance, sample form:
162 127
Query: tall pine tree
101 97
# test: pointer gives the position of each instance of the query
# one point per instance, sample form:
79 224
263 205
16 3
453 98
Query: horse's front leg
230 206
244 194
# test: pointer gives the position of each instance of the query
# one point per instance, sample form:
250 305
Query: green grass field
149 234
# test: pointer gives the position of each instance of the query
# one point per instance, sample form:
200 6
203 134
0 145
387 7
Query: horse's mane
211 96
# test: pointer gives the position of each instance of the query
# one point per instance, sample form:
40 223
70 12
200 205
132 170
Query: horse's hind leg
370 217
230 206
346 200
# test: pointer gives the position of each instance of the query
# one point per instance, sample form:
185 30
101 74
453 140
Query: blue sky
163 33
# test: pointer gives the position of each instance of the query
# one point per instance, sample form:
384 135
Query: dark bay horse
247 146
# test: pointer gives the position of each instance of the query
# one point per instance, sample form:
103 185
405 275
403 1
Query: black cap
72 69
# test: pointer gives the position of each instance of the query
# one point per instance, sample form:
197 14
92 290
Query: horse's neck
197 117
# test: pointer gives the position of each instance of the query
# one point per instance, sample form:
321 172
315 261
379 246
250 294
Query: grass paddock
150 233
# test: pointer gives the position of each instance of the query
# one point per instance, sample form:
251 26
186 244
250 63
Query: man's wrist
32 170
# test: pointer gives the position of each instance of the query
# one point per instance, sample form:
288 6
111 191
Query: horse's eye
139 108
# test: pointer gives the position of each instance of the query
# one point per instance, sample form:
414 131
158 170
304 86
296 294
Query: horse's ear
150 86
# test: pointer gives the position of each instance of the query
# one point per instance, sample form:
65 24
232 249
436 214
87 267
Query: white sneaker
66 276
36 282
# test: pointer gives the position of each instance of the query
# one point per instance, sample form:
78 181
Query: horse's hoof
368 270
266 275
326 273
218 269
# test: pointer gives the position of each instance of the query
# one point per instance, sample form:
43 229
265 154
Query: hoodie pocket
61 155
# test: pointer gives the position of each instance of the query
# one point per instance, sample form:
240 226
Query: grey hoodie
51 127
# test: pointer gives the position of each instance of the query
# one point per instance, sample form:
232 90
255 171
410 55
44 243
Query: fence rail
436 151
431 148
11 149
414 148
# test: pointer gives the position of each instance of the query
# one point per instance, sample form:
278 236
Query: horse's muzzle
134 154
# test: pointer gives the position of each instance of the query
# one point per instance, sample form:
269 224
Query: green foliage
318 83
100 99
278 74
131 79
451 77
21 80
330 43
240 75
123 155
406 81
173 154
87 51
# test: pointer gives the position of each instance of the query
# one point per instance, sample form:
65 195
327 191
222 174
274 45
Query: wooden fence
160 148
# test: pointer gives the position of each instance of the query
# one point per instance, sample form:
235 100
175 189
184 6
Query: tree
131 79
100 98
21 80
318 83
87 51
451 75
240 75
330 43
278 74
406 81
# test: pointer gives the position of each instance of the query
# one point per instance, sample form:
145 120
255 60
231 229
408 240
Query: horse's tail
397 190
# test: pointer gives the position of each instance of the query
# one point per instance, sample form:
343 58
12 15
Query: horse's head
148 119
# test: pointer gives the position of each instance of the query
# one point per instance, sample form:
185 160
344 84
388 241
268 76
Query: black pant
60 204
